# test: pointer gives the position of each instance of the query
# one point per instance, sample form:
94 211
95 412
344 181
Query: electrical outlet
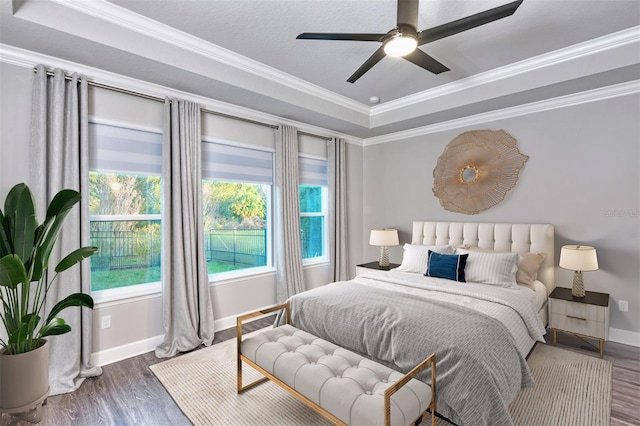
623 305
106 321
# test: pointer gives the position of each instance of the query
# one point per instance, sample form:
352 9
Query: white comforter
515 310
399 318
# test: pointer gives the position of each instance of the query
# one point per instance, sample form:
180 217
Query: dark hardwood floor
625 401
128 393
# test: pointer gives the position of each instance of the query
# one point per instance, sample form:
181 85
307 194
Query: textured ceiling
264 31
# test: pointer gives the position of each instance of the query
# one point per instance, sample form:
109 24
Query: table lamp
384 238
578 258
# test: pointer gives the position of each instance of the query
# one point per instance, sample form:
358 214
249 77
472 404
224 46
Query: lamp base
384 257
578 285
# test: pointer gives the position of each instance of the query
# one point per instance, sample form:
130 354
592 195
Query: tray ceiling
245 53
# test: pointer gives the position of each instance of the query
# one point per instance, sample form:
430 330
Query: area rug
571 390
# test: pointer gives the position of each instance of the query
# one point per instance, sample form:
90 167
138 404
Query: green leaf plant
25 248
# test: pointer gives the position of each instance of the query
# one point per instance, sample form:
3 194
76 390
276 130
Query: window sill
126 294
240 275
104 298
316 261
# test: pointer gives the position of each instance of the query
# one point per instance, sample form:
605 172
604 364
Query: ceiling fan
404 39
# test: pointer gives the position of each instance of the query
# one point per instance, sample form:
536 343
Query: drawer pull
578 318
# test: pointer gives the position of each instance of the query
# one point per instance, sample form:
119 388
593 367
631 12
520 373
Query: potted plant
25 248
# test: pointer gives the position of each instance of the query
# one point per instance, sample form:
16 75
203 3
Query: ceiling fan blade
408 12
340 36
464 24
425 61
368 64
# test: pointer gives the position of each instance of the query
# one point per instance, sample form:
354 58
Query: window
236 194
313 207
124 206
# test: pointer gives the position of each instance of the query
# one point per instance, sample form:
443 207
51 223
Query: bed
529 238
481 331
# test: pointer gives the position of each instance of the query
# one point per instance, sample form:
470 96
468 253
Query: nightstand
584 317
373 266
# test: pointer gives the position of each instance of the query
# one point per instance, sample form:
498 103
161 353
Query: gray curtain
287 201
338 247
60 152
187 307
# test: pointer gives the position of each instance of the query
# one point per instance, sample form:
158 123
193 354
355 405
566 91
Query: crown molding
102 27
598 55
28 59
613 91
603 54
591 47
378 115
117 15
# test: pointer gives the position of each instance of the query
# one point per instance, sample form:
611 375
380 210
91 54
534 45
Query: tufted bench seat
343 386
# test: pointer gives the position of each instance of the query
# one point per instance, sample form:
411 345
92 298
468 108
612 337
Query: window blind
236 164
313 171
121 150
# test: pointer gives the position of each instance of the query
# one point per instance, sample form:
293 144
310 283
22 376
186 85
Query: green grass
245 242
105 280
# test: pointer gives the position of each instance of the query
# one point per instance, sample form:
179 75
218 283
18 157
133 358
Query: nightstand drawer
578 325
586 316
578 310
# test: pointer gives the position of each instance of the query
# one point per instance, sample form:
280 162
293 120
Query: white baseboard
228 322
109 356
625 337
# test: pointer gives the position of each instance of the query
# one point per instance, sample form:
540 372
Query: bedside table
373 266
584 317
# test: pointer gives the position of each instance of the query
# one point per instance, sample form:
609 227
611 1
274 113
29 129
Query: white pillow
497 269
414 258
528 266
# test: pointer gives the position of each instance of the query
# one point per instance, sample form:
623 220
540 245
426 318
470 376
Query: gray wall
136 322
582 176
583 165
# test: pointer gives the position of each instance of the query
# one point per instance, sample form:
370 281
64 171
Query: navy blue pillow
449 266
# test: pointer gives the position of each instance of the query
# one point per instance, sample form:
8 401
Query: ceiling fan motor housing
400 41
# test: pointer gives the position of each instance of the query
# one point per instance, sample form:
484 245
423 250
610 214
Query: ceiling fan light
400 45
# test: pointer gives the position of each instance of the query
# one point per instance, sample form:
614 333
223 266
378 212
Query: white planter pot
24 382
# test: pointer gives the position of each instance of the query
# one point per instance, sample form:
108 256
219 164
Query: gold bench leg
430 360
239 321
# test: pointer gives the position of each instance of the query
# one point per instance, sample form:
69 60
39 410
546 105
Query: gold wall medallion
476 170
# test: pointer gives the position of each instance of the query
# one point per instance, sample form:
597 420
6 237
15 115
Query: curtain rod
159 99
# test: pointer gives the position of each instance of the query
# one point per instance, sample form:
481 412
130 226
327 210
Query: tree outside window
235 223
125 226
125 190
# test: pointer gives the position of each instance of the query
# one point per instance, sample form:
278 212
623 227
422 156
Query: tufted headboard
518 237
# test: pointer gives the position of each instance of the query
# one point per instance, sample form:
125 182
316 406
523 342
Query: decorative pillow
492 268
414 258
527 268
448 266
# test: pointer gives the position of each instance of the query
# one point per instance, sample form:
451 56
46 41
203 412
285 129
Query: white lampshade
578 258
384 237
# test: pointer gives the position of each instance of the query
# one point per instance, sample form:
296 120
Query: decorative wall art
476 170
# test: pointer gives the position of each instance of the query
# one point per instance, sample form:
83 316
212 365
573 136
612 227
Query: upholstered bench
341 385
